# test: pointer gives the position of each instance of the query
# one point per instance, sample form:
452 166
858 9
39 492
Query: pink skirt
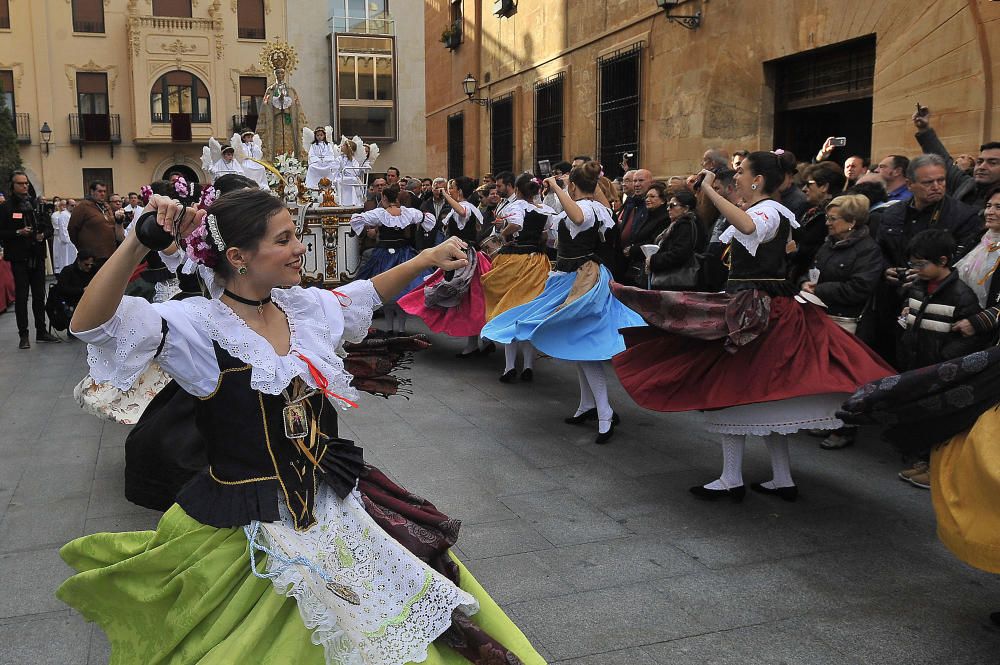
465 319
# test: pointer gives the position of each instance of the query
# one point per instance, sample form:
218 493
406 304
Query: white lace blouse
470 212
382 217
766 216
593 214
320 321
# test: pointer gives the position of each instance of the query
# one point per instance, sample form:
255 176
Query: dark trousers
29 275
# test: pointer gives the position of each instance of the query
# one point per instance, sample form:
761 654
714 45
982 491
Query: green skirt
184 594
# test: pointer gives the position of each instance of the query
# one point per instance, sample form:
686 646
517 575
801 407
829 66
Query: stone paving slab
597 552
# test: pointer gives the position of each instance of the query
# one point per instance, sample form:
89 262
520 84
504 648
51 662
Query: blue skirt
384 258
586 329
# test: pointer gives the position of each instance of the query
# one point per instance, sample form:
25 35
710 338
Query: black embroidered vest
253 464
393 237
468 234
767 270
574 252
530 238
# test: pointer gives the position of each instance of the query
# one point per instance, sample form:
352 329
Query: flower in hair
146 192
199 247
778 151
181 186
208 196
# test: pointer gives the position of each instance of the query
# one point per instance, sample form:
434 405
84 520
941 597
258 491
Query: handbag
684 278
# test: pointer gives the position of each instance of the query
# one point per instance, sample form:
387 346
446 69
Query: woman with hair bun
753 358
455 305
392 223
521 268
287 547
576 317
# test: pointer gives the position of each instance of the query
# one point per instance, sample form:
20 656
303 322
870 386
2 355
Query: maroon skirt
799 352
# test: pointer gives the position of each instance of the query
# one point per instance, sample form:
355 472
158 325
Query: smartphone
544 168
839 141
922 111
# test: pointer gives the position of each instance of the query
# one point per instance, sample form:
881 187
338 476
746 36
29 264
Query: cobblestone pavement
597 552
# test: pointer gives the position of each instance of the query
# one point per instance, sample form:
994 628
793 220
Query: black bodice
393 237
531 237
767 270
251 461
469 233
574 252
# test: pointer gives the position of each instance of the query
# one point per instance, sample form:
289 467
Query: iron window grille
502 133
619 95
456 144
549 119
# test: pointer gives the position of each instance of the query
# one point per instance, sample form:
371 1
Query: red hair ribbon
342 297
321 381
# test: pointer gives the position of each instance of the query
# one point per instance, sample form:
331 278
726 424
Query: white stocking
390 317
471 344
509 356
593 373
527 355
732 463
586 394
400 323
781 463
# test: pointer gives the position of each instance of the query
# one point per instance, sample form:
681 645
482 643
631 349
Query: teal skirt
184 594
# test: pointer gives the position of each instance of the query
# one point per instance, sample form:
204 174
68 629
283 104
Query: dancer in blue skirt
576 317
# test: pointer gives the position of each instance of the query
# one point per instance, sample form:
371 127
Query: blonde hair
347 147
853 207
607 188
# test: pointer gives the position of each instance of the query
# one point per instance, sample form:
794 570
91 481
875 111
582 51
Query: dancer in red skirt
754 358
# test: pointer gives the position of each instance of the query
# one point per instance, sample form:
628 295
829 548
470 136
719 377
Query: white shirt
766 216
382 217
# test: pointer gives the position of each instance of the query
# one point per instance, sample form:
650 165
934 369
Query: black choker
259 304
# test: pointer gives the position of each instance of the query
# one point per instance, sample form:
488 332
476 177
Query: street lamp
469 85
46 133
690 21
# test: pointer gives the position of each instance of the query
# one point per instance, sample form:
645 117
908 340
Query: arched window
177 93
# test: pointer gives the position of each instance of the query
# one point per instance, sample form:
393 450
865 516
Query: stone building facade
604 77
131 88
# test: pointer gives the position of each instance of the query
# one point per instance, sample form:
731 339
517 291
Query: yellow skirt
965 490
514 280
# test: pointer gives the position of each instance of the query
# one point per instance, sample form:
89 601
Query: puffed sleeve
119 350
355 303
360 220
766 221
513 214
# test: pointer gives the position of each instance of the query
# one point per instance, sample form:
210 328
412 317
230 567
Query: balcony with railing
378 25
244 122
176 24
22 124
89 128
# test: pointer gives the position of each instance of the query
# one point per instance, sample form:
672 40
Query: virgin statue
281 118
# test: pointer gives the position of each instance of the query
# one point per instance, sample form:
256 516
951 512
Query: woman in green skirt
287 548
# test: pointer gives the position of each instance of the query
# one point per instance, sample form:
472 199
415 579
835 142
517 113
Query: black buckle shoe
508 377
786 493
527 375
734 494
589 414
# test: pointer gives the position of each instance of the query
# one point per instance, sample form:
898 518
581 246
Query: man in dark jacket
930 208
24 229
631 219
437 206
970 190
92 226
792 197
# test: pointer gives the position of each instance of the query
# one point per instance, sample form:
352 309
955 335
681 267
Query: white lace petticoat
403 605
785 416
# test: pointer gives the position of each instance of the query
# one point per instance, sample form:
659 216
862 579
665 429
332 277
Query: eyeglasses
918 265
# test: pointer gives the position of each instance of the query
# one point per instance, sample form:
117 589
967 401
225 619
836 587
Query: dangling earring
753 187
242 270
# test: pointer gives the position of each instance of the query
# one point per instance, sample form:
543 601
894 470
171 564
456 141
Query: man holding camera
24 229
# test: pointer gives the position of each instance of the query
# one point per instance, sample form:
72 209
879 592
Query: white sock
527 355
593 372
732 463
586 394
401 317
390 318
509 356
471 344
781 463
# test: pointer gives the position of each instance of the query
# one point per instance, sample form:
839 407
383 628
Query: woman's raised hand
172 215
449 255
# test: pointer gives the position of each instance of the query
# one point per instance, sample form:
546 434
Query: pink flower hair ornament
145 192
181 186
199 246
208 196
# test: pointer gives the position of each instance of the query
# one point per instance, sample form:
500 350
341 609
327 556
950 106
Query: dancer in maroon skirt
754 358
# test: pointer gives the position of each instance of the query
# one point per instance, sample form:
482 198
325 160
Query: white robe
252 169
63 250
221 168
323 163
351 191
